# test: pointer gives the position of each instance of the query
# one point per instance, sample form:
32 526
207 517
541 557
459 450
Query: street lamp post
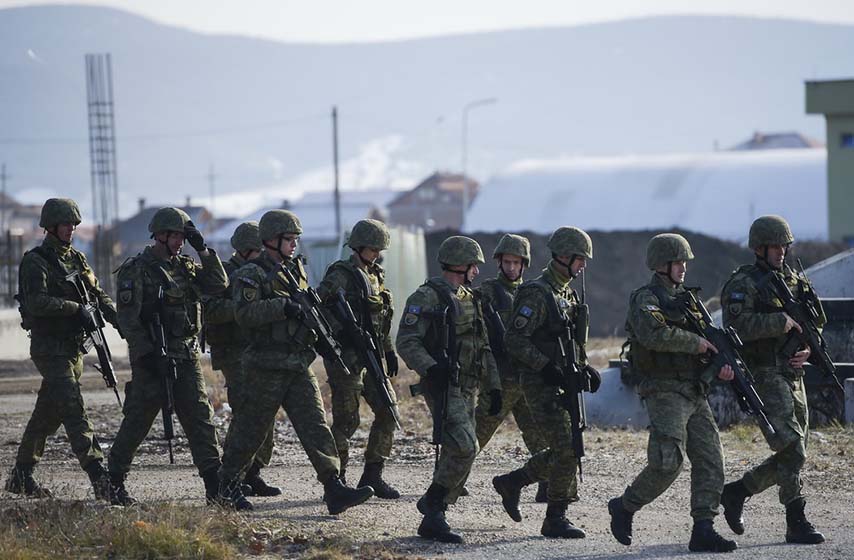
468 107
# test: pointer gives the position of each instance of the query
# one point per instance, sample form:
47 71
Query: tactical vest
560 314
61 327
290 335
226 336
502 303
367 291
665 365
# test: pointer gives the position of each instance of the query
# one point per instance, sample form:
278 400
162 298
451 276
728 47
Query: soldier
513 255
763 327
541 312
161 269
276 362
50 310
362 280
227 343
421 345
675 383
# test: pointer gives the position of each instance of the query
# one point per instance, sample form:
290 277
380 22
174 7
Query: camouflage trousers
786 403
59 403
296 391
512 401
144 398
346 390
459 442
681 424
238 399
557 463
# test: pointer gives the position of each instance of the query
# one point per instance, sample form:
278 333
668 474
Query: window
847 140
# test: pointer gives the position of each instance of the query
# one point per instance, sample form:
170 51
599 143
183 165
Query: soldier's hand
800 358
551 374
726 373
194 237
290 308
87 320
594 376
392 365
495 402
791 324
706 346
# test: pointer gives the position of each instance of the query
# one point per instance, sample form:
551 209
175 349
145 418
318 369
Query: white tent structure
717 193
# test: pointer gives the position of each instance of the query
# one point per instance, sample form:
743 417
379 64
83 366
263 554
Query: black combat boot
556 525
510 487
621 521
732 499
373 477
230 495
704 538
434 525
256 484
21 481
118 493
465 492
100 479
798 529
211 481
542 493
339 497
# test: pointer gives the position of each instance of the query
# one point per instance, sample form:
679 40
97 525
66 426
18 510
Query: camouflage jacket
499 292
222 333
418 336
275 340
663 349
184 282
49 304
365 291
758 317
536 323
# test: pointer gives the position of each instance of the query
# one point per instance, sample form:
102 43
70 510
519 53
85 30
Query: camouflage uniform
51 313
357 284
183 282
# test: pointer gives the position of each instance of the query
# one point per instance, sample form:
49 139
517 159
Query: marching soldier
362 280
513 254
276 365
541 313
57 322
669 357
442 310
162 281
764 326
227 343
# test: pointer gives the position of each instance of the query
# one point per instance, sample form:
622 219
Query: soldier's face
65 232
775 255
511 266
173 240
369 254
677 271
472 273
289 244
578 264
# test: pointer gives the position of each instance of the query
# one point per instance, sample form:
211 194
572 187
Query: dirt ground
614 456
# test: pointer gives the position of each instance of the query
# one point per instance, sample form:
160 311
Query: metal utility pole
337 192
102 157
466 108
211 176
3 178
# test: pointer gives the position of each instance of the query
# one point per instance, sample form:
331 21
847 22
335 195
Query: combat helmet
275 223
567 241
59 211
769 230
369 233
168 219
245 238
666 248
512 244
459 250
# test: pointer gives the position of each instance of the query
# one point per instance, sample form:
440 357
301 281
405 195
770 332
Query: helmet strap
278 247
166 243
567 266
362 259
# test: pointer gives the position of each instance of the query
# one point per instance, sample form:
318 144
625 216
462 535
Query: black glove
551 374
594 376
291 308
495 402
87 320
391 363
194 237
437 378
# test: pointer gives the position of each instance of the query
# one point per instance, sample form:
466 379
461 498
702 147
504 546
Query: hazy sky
373 20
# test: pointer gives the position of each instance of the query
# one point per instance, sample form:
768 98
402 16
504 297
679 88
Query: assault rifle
573 382
369 355
805 312
95 337
310 303
495 330
167 368
728 344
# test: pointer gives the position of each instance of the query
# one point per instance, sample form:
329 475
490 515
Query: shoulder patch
652 308
519 322
249 281
249 294
737 297
526 311
411 315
